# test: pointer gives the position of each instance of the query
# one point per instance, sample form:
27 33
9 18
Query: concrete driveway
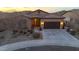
50 37
57 34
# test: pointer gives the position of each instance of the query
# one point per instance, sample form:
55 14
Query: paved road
50 37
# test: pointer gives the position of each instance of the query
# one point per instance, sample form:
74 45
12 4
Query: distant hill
60 13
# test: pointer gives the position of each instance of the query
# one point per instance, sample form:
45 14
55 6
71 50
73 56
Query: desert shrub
30 31
21 31
14 31
27 34
68 29
40 29
73 32
36 35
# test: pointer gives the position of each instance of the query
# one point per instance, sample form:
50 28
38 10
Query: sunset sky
48 9
46 5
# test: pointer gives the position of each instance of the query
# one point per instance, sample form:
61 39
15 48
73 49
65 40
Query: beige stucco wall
53 20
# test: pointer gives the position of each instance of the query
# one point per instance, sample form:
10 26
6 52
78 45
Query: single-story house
45 20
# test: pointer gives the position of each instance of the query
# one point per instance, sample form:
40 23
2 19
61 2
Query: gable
39 12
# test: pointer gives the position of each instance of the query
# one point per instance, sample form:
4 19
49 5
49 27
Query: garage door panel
52 25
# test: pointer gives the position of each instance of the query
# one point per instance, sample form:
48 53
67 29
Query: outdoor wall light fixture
42 23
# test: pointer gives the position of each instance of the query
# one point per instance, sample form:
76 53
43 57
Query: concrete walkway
50 37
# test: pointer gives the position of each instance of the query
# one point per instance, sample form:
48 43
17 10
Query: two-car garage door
51 25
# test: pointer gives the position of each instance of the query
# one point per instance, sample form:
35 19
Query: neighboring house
72 18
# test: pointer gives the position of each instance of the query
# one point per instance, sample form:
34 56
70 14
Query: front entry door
36 22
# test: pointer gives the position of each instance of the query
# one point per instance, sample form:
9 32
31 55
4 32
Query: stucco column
61 24
42 24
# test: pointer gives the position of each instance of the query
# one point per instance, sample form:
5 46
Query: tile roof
43 14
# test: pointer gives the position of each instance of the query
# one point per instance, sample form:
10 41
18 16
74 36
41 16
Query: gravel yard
6 37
